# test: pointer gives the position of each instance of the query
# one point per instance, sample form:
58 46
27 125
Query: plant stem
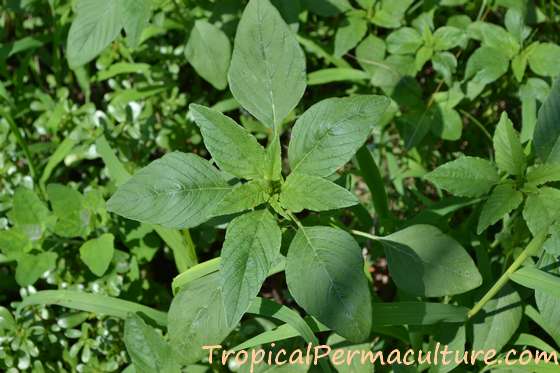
532 248
366 235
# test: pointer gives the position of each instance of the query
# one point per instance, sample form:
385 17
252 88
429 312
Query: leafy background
91 91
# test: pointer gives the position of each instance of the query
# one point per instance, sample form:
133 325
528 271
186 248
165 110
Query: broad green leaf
389 13
251 247
97 253
416 313
484 66
30 267
503 199
448 37
306 192
97 24
465 177
370 53
454 337
541 209
494 36
7 321
68 205
29 213
136 17
543 174
147 349
324 273
349 33
197 318
536 279
423 55
208 51
177 191
96 303
494 327
547 303
445 63
232 147
243 197
547 131
267 72
543 59
424 261
509 152
405 40
328 134
13 242
327 8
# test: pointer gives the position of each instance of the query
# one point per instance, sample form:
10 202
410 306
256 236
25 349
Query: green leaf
423 261
541 209
448 37
548 303
244 197
484 66
494 36
116 169
328 134
503 199
97 24
136 17
547 131
325 275
543 59
197 318
98 253
445 63
177 191
405 40
69 207
29 213
417 313
251 247
30 267
465 177
13 242
536 279
232 147
543 174
267 72
147 349
96 303
509 152
306 192
494 327
370 54
349 33
7 321
208 51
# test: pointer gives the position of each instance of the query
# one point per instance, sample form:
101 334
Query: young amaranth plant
324 267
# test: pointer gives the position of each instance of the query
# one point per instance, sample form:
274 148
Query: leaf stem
532 248
366 235
195 272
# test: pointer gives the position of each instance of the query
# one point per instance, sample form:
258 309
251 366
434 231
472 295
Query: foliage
368 174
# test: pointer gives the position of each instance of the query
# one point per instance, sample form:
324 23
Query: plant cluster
370 174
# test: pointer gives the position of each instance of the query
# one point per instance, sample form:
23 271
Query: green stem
532 248
21 142
373 179
366 235
477 123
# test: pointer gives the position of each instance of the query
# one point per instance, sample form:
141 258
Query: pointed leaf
509 152
328 134
251 247
504 199
324 272
306 192
243 197
541 209
98 253
68 205
29 213
136 17
177 191
208 51
547 131
267 72
232 147
424 261
465 177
